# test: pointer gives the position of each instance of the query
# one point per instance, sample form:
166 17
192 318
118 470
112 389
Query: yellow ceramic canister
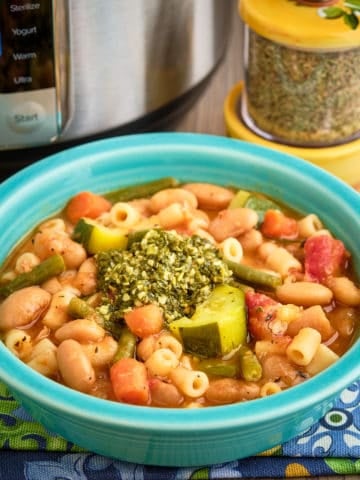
341 160
301 88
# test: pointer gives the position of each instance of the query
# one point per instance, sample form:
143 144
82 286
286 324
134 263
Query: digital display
26 46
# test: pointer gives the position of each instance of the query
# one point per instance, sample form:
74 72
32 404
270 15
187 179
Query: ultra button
26 117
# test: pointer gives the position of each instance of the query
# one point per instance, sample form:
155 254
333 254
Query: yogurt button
26 117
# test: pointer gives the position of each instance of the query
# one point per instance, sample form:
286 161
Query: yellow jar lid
340 160
290 23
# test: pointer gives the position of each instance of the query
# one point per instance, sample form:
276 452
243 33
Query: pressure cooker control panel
28 92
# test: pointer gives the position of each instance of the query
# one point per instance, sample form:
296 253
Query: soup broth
179 295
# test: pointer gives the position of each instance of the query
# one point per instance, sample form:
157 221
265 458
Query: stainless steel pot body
72 69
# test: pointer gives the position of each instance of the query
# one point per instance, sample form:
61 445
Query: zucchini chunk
97 238
218 325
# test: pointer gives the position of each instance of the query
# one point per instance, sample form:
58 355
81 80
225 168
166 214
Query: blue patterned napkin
330 447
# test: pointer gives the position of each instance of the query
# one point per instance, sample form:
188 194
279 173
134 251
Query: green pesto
160 267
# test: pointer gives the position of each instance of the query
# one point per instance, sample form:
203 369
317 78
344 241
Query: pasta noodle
322 359
161 362
269 388
309 225
124 215
279 259
231 249
190 382
304 346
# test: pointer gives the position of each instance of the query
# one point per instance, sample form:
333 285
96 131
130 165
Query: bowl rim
22 379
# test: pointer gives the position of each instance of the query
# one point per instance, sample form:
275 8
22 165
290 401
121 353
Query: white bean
23 307
146 347
48 242
279 259
210 196
85 279
82 330
57 313
251 240
75 366
26 262
304 293
101 353
172 215
345 291
232 223
52 285
57 224
43 358
166 197
18 342
230 390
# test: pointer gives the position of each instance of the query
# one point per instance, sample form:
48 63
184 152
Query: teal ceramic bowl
159 436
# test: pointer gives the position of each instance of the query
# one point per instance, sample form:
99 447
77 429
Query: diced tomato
86 204
255 300
144 321
325 256
261 311
278 225
130 382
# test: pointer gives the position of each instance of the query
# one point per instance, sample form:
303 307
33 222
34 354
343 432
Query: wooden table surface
206 115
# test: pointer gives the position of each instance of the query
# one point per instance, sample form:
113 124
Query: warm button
26 117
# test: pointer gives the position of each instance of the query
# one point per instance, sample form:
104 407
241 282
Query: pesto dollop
161 267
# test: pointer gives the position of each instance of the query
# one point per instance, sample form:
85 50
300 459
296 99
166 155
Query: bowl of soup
178 299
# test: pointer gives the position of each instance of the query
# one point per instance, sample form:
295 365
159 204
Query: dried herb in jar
302 97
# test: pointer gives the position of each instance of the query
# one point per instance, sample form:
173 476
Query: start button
26 117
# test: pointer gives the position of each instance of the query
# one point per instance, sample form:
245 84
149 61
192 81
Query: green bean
254 276
214 366
126 345
50 267
79 308
113 327
141 191
250 366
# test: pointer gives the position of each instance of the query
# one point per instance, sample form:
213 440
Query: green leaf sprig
349 16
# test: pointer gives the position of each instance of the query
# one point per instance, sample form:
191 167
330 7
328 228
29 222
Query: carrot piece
86 204
278 225
130 382
144 321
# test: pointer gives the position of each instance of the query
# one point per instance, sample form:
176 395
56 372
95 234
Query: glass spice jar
301 71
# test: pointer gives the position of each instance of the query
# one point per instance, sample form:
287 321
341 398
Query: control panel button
27 60
26 117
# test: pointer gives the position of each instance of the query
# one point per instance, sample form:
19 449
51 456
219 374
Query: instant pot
76 70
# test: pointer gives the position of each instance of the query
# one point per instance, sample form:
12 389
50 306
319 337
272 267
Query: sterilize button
26 117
